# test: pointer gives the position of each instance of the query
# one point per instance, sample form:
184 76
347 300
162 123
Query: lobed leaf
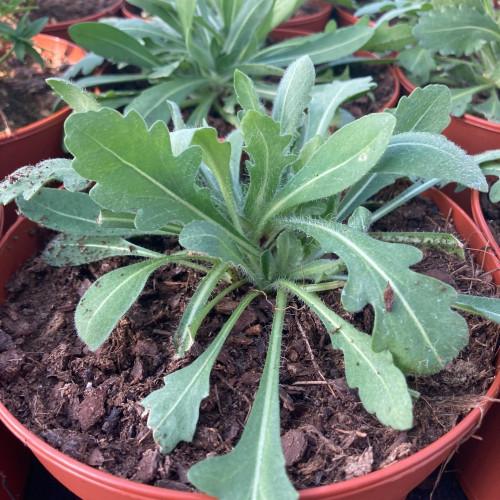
382 386
413 315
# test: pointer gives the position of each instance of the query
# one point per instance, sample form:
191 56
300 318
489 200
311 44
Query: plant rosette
285 229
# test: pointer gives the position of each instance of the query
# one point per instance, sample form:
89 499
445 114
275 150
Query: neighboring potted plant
22 142
270 229
180 59
458 44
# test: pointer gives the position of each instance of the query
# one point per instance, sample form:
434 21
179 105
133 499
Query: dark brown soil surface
88 404
24 96
377 99
61 10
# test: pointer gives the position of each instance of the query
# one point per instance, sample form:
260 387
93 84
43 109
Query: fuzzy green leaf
342 160
74 96
382 386
327 98
113 44
184 335
73 250
246 93
69 212
135 169
419 62
109 298
174 409
413 315
255 469
455 30
212 239
430 156
27 181
484 306
424 110
266 147
293 95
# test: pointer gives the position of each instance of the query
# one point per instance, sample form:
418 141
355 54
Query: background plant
456 43
276 229
16 34
188 52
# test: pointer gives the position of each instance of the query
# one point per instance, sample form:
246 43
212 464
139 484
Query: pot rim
58 26
441 447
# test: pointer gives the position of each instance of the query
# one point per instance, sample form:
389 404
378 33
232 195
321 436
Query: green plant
277 228
189 50
457 43
15 34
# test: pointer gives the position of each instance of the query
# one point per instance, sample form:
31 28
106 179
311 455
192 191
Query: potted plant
458 45
267 229
23 141
180 60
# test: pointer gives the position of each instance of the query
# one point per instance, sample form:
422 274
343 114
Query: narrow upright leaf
246 93
293 95
255 469
266 146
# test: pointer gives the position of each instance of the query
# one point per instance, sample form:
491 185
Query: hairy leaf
74 250
255 469
455 30
425 110
382 386
484 306
77 98
109 298
430 156
417 324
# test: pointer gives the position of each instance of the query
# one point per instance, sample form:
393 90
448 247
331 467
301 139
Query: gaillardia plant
292 225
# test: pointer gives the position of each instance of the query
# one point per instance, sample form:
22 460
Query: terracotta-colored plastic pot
42 139
14 465
479 219
478 460
309 23
475 135
391 483
344 17
127 12
60 29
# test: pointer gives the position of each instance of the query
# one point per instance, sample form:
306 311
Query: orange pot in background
391 483
60 29
42 139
